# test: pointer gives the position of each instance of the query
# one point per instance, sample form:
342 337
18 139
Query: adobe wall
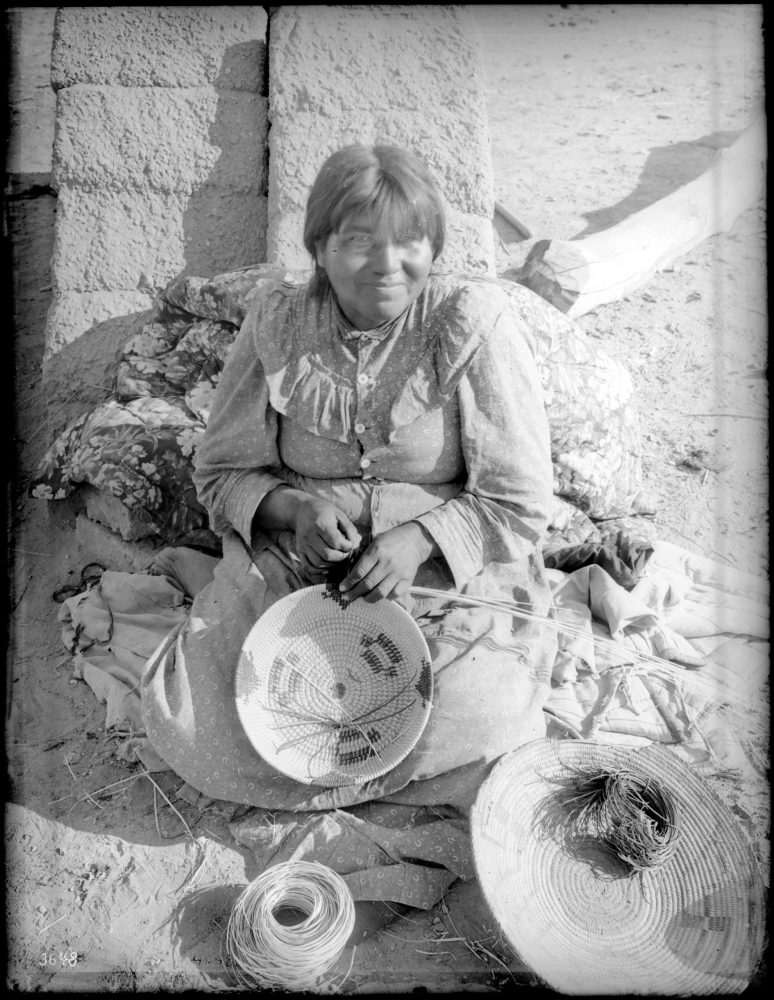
159 164
405 74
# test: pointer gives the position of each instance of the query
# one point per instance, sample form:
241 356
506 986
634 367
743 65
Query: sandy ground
595 112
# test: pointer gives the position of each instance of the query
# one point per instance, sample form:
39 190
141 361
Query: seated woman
384 424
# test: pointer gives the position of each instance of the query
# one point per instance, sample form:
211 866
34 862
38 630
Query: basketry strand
331 692
588 914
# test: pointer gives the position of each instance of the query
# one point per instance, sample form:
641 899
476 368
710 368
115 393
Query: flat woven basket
587 925
334 693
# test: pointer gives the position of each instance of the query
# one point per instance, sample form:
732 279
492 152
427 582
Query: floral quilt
139 445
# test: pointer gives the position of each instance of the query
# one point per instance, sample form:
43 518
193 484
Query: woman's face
376 274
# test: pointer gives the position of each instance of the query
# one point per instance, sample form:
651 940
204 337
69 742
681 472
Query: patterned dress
437 416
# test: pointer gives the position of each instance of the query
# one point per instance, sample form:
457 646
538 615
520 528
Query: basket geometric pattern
331 692
585 922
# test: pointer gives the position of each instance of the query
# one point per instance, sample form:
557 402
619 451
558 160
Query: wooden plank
510 218
579 275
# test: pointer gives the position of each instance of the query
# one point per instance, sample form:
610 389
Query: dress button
362 379
359 428
364 463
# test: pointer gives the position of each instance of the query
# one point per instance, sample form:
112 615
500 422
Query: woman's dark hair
387 181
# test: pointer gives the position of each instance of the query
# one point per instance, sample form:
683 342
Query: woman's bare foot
190 569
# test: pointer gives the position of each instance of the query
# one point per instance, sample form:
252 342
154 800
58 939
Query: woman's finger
350 531
326 555
377 584
385 589
365 565
330 531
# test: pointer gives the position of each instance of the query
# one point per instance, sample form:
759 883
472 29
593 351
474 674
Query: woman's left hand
388 566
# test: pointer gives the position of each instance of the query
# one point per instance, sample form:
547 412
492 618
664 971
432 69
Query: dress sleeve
503 511
235 463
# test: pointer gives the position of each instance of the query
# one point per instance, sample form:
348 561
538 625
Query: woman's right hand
324 535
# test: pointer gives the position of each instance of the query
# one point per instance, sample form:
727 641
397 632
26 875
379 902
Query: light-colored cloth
688 665
700 597
121 621
111 629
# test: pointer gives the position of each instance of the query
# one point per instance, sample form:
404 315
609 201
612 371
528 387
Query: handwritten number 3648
64 958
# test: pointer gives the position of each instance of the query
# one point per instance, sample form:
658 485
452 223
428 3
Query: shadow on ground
666 169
